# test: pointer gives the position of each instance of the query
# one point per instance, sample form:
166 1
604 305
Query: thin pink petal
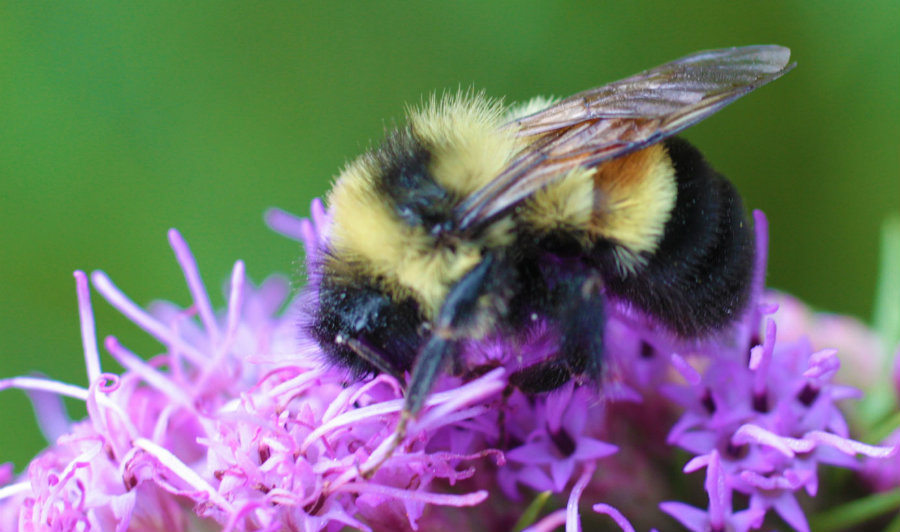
235 300
549 523
440 499
195 284
285 223
142 319
573 520
616 516
88 329
182 471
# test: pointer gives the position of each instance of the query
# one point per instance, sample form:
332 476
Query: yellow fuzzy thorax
468 149
464 135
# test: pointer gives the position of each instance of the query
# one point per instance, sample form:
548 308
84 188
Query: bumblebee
475 219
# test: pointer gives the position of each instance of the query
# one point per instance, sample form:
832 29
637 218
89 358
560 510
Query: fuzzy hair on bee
473 218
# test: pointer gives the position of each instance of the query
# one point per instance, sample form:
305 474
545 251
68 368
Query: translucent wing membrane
606 122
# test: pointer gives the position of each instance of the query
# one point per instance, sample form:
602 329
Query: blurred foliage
119 120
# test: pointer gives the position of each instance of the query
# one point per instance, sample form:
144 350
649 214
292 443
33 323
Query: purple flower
557 442
237 425
772 421
719 517
234 423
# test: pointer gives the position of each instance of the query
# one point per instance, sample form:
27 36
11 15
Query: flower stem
851 515
529 516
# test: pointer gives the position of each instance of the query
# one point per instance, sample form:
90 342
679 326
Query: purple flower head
767 424
237 424
558 441
719 517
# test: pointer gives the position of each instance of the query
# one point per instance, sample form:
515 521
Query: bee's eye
405 179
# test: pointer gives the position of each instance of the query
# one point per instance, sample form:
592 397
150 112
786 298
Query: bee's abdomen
698 277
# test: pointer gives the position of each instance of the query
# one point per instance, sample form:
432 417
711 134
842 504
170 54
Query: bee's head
405 180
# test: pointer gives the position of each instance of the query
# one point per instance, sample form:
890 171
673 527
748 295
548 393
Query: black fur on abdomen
698 279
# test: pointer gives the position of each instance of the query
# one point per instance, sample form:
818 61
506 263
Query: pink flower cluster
237 425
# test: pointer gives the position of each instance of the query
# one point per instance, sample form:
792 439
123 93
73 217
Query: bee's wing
602 123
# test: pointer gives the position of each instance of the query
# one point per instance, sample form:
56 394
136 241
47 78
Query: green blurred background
118 121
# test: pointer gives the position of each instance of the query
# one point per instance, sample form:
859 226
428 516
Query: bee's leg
372 356
574 303
428 365
454 319
450 326
581 318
